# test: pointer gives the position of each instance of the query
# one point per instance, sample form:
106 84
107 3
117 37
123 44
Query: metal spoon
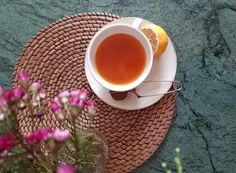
177 86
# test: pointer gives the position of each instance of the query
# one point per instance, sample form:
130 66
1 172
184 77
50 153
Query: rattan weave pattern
55 56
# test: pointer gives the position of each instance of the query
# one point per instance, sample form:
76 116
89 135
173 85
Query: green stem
24 146
19 137
68 148
46 169
67 119
15 155
178 164
71 158
8 122
90 121
76 143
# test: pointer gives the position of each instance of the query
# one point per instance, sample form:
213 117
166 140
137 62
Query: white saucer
164 69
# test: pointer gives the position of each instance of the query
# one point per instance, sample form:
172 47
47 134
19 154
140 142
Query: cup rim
123 87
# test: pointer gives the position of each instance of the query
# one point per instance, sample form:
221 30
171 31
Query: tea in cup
120 56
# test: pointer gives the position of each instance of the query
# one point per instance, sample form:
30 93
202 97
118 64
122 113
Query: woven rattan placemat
55 56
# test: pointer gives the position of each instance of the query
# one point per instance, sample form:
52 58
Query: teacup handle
137 22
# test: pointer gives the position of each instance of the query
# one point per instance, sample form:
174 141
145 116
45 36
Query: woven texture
55 56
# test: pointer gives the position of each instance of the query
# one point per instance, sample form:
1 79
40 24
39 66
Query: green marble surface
204 35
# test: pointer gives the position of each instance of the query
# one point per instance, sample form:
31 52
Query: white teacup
107 31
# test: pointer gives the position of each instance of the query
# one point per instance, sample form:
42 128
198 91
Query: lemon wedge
157 37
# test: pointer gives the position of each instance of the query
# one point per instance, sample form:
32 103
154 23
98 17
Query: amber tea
120 59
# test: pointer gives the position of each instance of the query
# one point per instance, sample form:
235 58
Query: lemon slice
152 37
157 37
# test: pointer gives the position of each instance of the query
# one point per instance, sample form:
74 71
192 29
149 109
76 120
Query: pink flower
18 93
2 102
14 94
38 135
75 92
65 168
35 86
56 105
64 94
61 135
22 75
74 100
3 107
39 114
7 142
57 108
89 103
91 107
84 93
42 94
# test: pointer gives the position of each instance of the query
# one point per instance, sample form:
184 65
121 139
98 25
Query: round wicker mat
55 56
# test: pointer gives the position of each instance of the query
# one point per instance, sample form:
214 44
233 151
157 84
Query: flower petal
61 135
38 135
22 75
65 168
7 142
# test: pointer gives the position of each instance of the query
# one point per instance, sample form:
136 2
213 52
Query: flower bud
61 135
35 86
91 107
38 135
74 100
37 98
1 116
163 165
34 103
75 92
83 94
56 105
65 168
7 142
21 105
2 102
39 114
64 96
51 144
42 94
14 94
60 115
177 150
3 105
22 76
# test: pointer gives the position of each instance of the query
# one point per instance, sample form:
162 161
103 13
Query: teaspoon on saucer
177 86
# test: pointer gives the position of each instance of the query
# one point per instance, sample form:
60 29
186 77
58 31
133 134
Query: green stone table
204 35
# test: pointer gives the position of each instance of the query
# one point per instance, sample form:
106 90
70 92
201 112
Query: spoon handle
177 86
